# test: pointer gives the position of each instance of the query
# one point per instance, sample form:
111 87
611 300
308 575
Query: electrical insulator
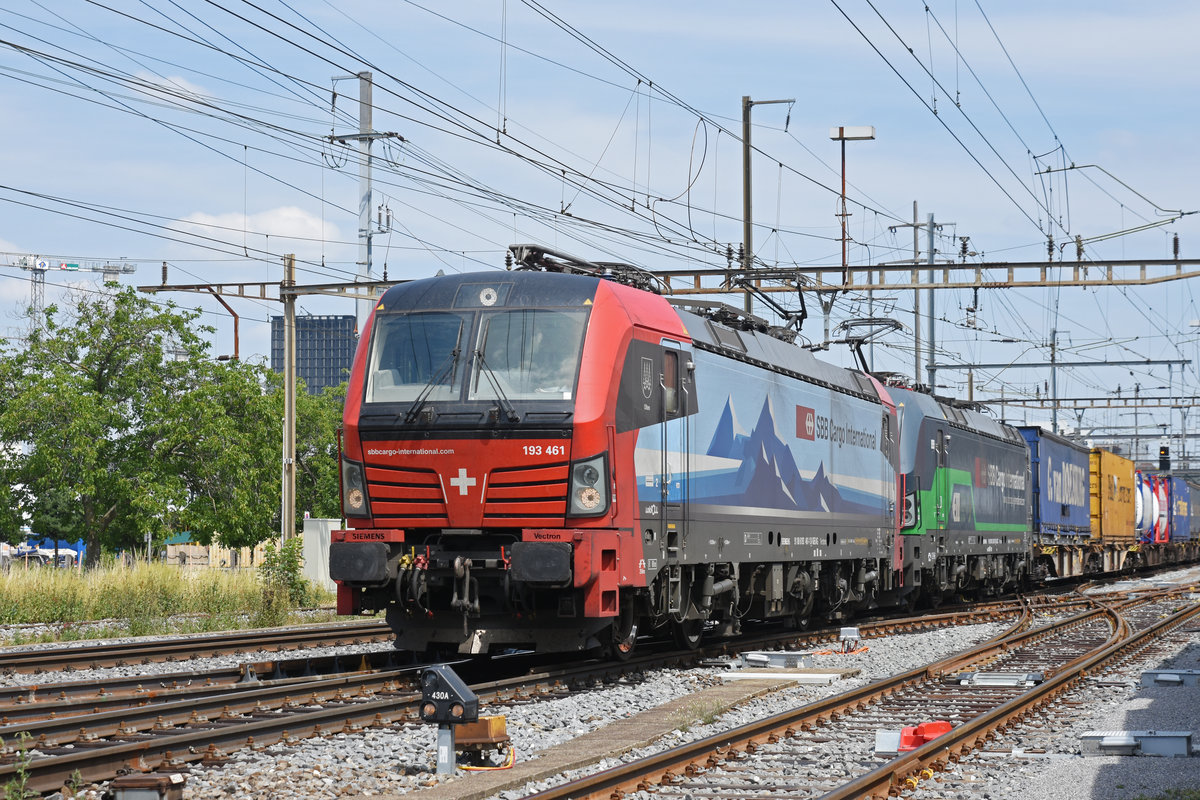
508 259
1175 246
1050 247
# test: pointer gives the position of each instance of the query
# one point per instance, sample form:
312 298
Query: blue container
1061 491
1181 503
1193 509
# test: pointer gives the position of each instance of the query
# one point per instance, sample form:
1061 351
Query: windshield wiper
509 411
447 367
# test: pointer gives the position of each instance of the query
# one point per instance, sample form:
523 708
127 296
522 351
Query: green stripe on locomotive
959 506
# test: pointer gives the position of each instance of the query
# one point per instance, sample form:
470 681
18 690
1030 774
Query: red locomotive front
481 484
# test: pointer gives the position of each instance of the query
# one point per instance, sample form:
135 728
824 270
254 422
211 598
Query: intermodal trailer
1113 496
1061 497
1194 510
1180 495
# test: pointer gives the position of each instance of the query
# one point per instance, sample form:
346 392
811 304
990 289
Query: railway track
57 732
94 655
32 702
90 654
827 749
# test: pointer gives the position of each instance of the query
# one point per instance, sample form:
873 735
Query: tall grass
138 600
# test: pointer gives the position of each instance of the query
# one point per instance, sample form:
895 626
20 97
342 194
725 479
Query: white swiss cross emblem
462 482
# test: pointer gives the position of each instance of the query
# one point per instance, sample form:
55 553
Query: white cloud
172 87
284 229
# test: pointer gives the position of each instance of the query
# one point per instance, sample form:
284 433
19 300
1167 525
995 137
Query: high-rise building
324 348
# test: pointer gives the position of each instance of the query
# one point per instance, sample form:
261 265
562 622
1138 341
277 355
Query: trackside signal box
448 701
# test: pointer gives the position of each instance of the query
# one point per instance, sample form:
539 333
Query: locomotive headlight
588 494
909 519
354 490
587 474
588 498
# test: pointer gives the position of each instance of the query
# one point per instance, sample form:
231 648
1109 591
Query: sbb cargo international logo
806 423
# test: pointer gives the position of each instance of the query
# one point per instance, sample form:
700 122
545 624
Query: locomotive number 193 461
549 450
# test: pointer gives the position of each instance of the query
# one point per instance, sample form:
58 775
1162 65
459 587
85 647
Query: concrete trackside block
1171 677
1176 744
777 659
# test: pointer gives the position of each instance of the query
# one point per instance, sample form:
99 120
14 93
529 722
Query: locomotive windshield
415 354
517 354
528 354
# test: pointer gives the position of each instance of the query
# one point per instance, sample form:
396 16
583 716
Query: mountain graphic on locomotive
560 458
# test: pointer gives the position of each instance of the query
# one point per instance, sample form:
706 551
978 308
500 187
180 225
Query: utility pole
365 136
1183 436
288 525
364 182
929 229
916 259
1137 431
843 134
1054 380
930 254
747 213
916 304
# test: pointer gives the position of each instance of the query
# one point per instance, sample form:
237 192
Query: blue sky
191 133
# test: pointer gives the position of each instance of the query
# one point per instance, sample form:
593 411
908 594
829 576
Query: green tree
56 514
119 405
318 418
10 504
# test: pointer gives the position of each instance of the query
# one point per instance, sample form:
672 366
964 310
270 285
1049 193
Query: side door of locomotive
941 478
677 388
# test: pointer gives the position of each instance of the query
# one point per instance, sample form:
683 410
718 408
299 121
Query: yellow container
1112 490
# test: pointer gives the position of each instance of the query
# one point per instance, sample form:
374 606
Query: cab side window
671 382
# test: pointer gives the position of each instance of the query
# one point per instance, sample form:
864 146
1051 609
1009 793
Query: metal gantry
286 292
983 275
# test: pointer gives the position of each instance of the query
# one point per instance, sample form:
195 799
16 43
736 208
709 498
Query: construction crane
37 266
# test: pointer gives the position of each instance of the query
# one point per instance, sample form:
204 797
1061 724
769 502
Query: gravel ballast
400 759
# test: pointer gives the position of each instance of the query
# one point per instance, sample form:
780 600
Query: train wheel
801 617
624 635
798 622
687 633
